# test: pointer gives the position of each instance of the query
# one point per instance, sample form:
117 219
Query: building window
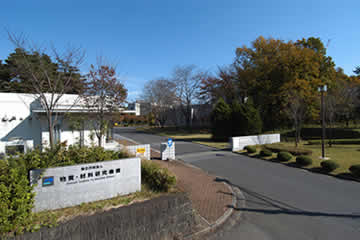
14 149
104 172
118 170
111 171
62 179
97 173
71 178
90 174
82 176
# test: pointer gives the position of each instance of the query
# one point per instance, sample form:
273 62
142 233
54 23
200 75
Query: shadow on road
280 207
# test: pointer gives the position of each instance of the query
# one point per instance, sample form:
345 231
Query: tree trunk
99 140
51 130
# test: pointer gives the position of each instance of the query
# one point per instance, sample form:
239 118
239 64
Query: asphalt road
281 202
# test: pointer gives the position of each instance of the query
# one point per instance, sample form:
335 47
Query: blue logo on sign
170 142
48 181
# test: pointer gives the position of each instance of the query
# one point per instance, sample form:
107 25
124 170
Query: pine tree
221 121
253 119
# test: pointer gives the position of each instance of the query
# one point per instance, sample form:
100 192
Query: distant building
23 122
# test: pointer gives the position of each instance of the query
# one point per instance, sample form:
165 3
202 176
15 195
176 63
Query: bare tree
296 110
104 96
346 94
48 84
187 81
160 94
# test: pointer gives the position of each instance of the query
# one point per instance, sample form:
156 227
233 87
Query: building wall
25 124
18 121
69 135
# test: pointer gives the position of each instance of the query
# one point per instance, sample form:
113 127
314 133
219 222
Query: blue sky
146 39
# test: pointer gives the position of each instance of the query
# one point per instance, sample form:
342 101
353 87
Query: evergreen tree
238 119
221 121
253 120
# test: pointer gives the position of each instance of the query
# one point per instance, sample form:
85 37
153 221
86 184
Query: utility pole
323 89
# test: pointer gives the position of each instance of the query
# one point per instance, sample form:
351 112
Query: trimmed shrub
16 199
329 165
355 170
284 156
155 177
265 153
250 149
303 161
294 151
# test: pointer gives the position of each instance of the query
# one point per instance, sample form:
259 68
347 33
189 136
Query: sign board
140 150
167 150
68 186
170 142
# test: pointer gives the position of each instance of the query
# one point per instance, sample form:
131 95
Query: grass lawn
345 155
201 136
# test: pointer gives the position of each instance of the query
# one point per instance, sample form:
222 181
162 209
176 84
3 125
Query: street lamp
322 89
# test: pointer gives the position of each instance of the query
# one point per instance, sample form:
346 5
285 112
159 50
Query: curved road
281 202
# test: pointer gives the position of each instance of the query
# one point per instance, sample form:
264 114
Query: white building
23 122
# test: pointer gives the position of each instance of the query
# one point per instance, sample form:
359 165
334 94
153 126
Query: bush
294 151
16 199
250 149
157 178
329 165
284 156
355 170
303 161
265 153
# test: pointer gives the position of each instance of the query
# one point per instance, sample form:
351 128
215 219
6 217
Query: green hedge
157 178
250 149
265 153
355 170
284 156
294 151
16 199
329 165
303 161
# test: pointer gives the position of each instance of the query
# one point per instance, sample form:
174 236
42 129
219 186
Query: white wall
238 143
30 125
25 125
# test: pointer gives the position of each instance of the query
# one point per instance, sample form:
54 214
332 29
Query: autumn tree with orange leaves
105 96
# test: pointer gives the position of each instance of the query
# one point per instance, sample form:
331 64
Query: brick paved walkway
209 198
